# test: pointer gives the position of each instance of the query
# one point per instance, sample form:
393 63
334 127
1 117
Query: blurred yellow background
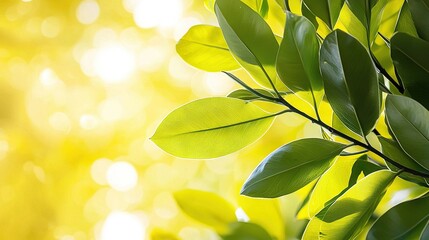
83 85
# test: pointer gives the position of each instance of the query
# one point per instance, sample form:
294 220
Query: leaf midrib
206 44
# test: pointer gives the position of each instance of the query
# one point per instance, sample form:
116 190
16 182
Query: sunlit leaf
158 234
351 89
420 13
244 33
246 231
327 10
347 216
411 58
297 61
204 47
342 175
408 121
405 22
247 95
406 220
211 127
206 207
291 167
309 15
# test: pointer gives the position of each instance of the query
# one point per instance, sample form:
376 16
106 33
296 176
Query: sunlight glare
87 12
159 13
114 63
122 225
122 176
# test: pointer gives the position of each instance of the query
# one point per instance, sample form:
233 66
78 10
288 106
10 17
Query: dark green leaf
420 13
211 127
247 231
244 31
309 15
351 88
392 150
406 220
408 121
247 95
411 58
327 10
297 60
291 167
405 22
204 47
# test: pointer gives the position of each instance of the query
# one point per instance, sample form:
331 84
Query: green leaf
247 231
392 150
406 220
420 13
291 167
244 31
297 60
247 95
211 127
411 58
207 208
369 13
327 10
263 7
405 22
341 176
204 47
309 15
351 88
347 216
408 121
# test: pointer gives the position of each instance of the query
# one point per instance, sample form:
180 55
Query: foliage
370 75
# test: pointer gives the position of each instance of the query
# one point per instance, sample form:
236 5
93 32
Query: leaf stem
386 74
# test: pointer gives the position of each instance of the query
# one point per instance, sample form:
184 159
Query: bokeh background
83 85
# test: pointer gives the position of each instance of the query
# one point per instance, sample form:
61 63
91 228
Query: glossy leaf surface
420 13
297 60
211 127
411 58
291 167
243 33
351 88
406 220
408 121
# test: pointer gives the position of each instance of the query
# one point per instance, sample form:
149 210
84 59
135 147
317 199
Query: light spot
122 225
159 13
114 63
87 12
59 121
88 122
241 215
51 27
122 176
99 170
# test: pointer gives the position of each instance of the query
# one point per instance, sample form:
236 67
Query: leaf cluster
373 76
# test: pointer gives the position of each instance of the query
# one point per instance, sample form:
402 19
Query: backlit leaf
351 88
406 220
411 58
291 167
204 47
347 216
247 231
211 127
247 95
327 10
207 208
244 33
408 121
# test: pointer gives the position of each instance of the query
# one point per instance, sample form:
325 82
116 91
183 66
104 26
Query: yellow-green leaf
347 216
204 47
211 127
206 207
